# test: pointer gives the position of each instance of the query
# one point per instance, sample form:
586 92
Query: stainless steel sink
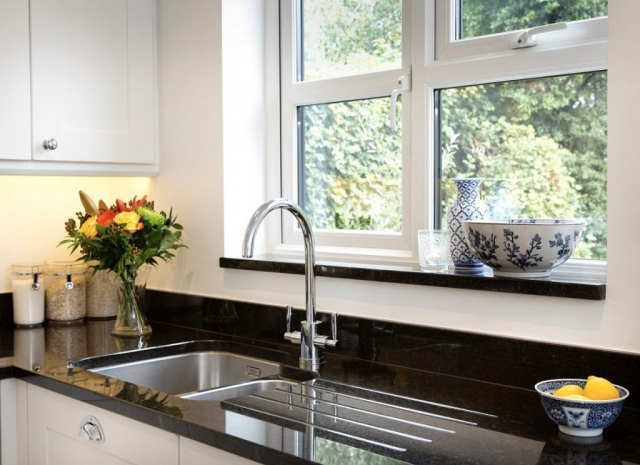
198 370
195 371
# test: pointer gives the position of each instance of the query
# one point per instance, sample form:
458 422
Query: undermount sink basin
197 371
200 370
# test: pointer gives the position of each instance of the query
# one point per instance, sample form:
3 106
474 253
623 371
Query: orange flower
131 220
106 218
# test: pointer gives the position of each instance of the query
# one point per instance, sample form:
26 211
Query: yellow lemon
576 397
600 389
569 389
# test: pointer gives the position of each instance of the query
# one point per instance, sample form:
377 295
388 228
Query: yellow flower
130 220
89 227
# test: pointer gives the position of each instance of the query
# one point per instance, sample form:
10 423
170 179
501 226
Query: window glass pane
350 166
484 17
541 145
344 37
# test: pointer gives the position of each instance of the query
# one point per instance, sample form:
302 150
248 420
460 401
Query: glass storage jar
65 292
103 299
27 284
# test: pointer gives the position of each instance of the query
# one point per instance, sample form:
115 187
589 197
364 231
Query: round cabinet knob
50 144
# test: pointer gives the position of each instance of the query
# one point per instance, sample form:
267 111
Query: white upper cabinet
92 69
81 75
15 114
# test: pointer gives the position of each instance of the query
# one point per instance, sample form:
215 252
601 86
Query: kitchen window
471 103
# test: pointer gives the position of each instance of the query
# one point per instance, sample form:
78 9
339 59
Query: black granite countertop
435 417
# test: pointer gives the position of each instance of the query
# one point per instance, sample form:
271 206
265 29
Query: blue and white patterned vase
468 206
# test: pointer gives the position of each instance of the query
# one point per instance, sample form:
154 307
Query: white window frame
437 61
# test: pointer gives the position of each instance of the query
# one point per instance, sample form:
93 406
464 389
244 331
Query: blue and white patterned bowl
579 417
523 248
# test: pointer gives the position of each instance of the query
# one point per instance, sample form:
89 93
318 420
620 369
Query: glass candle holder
433 248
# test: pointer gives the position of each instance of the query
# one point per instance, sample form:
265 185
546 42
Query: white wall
190 150
191 180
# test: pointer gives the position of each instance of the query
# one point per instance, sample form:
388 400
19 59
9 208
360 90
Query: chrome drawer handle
91 430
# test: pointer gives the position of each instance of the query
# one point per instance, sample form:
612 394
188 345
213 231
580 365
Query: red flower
106 218
121 206
138 203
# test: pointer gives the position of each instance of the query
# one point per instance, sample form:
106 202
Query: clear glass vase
131 320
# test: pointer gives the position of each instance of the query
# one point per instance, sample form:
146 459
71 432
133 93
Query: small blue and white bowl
579 417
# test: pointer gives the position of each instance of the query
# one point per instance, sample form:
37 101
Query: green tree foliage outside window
485 17
541 144
344 37
353 166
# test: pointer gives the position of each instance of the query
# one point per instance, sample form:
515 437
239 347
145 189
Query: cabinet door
15 115
92 71
54 423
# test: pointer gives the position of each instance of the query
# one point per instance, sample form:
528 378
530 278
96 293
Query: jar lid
64 268
27 268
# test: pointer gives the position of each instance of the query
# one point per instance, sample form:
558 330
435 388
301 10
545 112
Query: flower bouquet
122 238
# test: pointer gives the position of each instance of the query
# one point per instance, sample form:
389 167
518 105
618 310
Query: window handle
405 86
527 38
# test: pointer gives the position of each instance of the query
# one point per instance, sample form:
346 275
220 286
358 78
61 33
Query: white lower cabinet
196 453
54 423
52 426
13 422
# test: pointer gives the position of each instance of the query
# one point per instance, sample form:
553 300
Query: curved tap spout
309 353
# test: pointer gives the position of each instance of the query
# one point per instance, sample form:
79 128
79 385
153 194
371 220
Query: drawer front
54 423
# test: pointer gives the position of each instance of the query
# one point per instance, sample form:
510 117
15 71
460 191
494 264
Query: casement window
511 91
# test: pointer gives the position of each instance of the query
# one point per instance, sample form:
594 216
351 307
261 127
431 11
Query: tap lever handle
289 311
296 336
334 326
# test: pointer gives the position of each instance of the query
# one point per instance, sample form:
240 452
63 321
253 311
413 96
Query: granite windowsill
573 285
